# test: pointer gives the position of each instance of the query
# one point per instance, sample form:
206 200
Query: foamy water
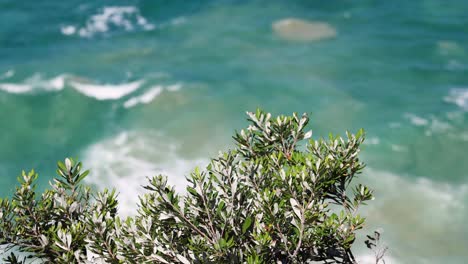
459 97
106 91
110 17
422 219
34 83
124 162
144 98
37 83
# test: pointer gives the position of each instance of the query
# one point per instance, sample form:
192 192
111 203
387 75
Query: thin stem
186 220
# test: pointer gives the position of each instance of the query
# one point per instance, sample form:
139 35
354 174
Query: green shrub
269 200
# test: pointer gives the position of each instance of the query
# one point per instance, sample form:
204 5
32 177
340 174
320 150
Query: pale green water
136 88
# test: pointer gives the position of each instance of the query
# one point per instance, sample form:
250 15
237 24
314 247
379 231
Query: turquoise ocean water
136 88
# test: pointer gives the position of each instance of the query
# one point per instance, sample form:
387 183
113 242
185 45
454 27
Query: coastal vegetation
278 196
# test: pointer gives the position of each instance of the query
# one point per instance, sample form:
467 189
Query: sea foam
432 125
111 17
126 159
458 96
144 98
35 83
150 95
15 88
422 219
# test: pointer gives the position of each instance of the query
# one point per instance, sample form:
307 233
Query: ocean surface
138 88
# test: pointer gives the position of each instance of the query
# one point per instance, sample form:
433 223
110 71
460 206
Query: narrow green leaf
247 224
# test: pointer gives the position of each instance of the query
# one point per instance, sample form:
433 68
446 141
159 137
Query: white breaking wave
144 98
36 82
120 17
106 91
15 88
125 160
459 97
150 95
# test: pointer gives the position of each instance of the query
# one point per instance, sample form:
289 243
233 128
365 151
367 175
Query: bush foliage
269 200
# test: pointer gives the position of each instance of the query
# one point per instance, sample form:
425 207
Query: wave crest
106 91
35 83
113 17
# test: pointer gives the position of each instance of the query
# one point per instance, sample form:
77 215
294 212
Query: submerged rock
302 30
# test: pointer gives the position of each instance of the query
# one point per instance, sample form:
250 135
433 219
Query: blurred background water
137 88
